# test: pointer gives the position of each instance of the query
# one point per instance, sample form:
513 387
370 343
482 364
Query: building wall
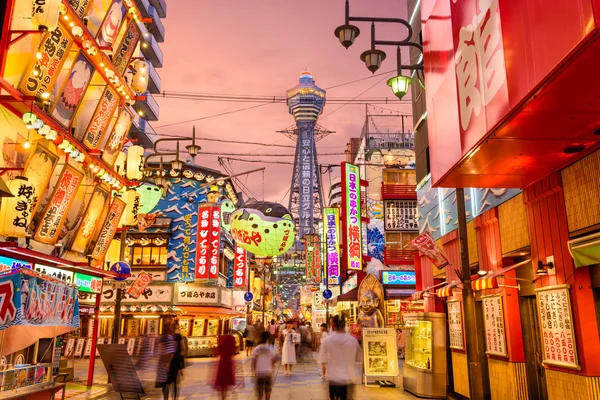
507 380
565 386
512 216
581 182
460 373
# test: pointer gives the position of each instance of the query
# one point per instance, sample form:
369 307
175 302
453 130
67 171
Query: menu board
556 324
455 327
401 215
495 340
380 352
79 347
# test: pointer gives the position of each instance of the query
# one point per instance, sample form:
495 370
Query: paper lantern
150 196
120 163
15 212
132 208
263 228
44 14
135 163
139 76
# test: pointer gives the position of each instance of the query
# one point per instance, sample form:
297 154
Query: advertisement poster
203 242
380 352
455 327
429 248
331 235
108 228
102 115
8 264
109 30
38 170
401 215
125 50
139 285
79 6
15 212
117 137
495 339
53 217
556 325
310 257
351 206
318 301
20 302
43 72
72 92
91 218
239 267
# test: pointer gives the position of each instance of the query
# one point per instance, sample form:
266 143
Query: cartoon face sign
263 228
369 302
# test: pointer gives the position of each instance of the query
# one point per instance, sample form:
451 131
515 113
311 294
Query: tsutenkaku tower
306 102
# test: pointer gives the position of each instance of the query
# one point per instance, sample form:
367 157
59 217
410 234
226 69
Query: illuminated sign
306 180
88 283
56 273
352 216
331 235
203 242
125 50
101 118
8 264
398 278
108 228
92 216
117 137
351 283
239 267
215 238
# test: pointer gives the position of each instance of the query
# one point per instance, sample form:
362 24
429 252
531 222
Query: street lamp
347 34
372 59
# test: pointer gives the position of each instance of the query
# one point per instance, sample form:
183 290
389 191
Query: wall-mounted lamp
543 268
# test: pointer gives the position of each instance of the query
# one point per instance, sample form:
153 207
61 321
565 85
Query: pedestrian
272 332
263 362
249 334
167 347
324 335
281 337
288 352
176 364
225 370
340 351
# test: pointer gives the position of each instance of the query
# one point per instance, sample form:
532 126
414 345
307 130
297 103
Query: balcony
395 191
394 140
141 130
398 256
161 7
143 6
156 27
152 52
154 81
148 108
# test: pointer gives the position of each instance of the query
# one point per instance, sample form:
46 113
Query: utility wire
212 116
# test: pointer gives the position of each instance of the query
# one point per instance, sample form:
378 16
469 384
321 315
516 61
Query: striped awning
490 281
444 292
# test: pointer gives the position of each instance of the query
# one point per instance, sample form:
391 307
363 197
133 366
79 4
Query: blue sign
122 269
398 278
327 294
8 264
248 296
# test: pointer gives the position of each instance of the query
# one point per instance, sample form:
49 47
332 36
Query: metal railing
395 256
394 140
393 191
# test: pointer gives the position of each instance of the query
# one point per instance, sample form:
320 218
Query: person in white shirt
340 352
324 335
263 360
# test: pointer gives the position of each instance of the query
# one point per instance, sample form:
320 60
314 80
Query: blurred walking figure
250 335
225 370
263 362
288 352
272 332
340 351
170 360
324 335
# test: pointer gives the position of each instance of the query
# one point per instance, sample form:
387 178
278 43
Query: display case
201 346
424 371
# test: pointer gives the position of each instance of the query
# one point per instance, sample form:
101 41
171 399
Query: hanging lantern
135 163
150 196
44 131
120 163
139 76
44 16
29 119
15 212
130 215
263 228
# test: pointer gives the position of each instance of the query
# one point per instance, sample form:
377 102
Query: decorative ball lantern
45 16
372 59
150 196
135 163
130 215
263 228
14 220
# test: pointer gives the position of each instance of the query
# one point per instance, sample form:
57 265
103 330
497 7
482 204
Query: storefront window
397 240
399 176
149 255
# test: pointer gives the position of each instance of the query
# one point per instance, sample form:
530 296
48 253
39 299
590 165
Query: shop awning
490 281
349 296
398 293
585 250
209 311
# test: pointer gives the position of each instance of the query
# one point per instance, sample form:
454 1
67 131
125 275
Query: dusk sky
260 47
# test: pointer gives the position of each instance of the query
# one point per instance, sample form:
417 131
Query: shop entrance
536 374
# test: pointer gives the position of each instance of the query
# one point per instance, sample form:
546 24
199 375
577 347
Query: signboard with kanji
203 242
108 228
455 327
493 316
153 294
556 325
239 267
193 294
331 236
351 208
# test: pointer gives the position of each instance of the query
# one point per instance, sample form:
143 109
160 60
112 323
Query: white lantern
139 77
15 212
120 163
45 13
130 215
135 163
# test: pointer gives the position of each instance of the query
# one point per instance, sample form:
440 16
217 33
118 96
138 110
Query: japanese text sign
188 293
125 50
331 235
352 216
16 211
495 339
8 264
239 267
556 325
101 118
398 278
139 285
91 217
426 245
153 294
306 178
87 283
109 228
215 240
203 242
455 327
310 256
54 215
38 170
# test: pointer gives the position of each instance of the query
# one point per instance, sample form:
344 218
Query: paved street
305 383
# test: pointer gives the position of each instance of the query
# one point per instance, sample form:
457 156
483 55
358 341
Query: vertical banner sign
495 340
42 72
109 30
117 137
102 115
317 271
126 48
239 267
108 228
310 256
203 242
91 217
331 229
139 285
15 212
455 327
351 208
79 6
54 215
72 91
429 247
215 239
306 178
556 324
38 171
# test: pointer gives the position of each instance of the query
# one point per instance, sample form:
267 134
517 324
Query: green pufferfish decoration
227 208
264 229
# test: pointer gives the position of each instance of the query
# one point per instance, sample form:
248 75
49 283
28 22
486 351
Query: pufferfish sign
263 228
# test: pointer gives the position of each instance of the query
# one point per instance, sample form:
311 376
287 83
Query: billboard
331 235
351 209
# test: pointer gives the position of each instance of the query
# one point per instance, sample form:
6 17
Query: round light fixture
372 59
347 34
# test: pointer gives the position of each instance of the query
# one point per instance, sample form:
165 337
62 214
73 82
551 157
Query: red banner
426 245
215 236
239 267
139 285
